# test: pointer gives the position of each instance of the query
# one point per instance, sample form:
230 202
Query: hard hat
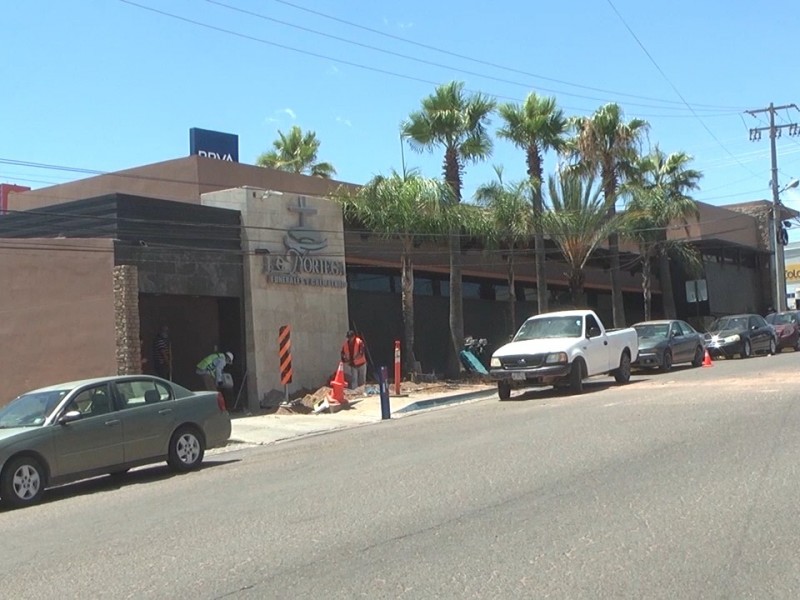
229 356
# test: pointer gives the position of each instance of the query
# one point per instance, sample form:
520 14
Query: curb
456 398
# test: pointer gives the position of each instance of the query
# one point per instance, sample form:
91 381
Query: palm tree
659 197
577 222
535 126
511 223
606 145
458 122
296 152
404 207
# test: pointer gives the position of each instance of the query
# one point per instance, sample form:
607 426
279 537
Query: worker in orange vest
354 360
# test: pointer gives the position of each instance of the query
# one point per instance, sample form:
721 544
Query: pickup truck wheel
622 374
666 361
504 390
576 376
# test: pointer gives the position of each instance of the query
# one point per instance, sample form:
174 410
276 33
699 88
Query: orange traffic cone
337 386
707 360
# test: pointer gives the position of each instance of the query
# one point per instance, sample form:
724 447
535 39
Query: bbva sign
214 144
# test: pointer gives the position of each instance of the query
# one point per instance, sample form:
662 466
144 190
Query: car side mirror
70 416
593 332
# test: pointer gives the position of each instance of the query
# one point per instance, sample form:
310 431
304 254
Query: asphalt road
681 485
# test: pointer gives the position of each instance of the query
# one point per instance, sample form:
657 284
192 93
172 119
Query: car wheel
797 344
622 374
699 355
186 449
504 390
576 376
22 481
747 349
666 361
773 347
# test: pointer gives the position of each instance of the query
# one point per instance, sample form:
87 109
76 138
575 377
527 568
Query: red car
787 327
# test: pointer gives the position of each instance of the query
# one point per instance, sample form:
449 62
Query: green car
108 425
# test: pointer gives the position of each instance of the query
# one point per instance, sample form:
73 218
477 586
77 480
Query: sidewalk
272 428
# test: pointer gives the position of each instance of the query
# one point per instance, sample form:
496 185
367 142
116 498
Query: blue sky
108 85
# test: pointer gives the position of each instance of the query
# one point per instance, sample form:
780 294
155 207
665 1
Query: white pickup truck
563 348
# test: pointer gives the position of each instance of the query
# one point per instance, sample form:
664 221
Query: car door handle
165 411
605 343
112 422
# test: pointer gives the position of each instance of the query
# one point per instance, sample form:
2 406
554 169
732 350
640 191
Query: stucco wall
57 299
313 304
732 288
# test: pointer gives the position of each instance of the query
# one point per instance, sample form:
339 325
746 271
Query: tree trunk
407 285
576 281
646 283
535 175
667 293
512 294
617 304
452 174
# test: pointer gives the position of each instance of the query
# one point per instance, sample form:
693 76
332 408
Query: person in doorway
354 360
162 354
211 369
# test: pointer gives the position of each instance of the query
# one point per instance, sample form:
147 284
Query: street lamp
780 274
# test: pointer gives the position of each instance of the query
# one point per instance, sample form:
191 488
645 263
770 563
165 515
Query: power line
675 89
429 62
359 65
489 63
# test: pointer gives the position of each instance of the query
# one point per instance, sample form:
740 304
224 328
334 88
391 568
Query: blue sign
214 144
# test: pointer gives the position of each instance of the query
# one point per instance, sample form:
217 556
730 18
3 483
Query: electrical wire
492 64
675 89
437 64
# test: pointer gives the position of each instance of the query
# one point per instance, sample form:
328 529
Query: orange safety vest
354 351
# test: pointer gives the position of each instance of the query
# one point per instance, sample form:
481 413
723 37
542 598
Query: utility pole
777 232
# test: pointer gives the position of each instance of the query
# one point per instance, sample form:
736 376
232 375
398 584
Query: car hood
13 432
725 333
651 344
541 346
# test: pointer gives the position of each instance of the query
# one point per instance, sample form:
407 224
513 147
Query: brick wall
126 319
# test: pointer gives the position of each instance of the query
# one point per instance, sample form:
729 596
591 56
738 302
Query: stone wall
126 320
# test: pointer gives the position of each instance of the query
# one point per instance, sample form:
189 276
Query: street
678 485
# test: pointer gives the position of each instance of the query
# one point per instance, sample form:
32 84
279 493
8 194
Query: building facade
225 254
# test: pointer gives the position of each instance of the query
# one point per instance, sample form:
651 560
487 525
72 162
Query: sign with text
214 144
303 260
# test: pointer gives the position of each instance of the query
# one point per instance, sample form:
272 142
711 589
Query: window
677 329
139 392
687 329
369 282
591 323
92 401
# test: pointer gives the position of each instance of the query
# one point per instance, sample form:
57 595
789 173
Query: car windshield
549 327
782 318
31 409
729 323
658 332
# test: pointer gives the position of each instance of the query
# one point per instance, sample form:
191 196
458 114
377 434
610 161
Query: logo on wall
214 144
303 261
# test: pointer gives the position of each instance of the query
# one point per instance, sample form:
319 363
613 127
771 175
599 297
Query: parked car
742 335
667 342
108 425
787 328
563 348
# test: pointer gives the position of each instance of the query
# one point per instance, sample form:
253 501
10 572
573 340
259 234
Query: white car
563 348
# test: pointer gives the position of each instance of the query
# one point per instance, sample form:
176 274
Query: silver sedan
81 429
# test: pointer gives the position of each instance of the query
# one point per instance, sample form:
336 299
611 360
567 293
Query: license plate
518 376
